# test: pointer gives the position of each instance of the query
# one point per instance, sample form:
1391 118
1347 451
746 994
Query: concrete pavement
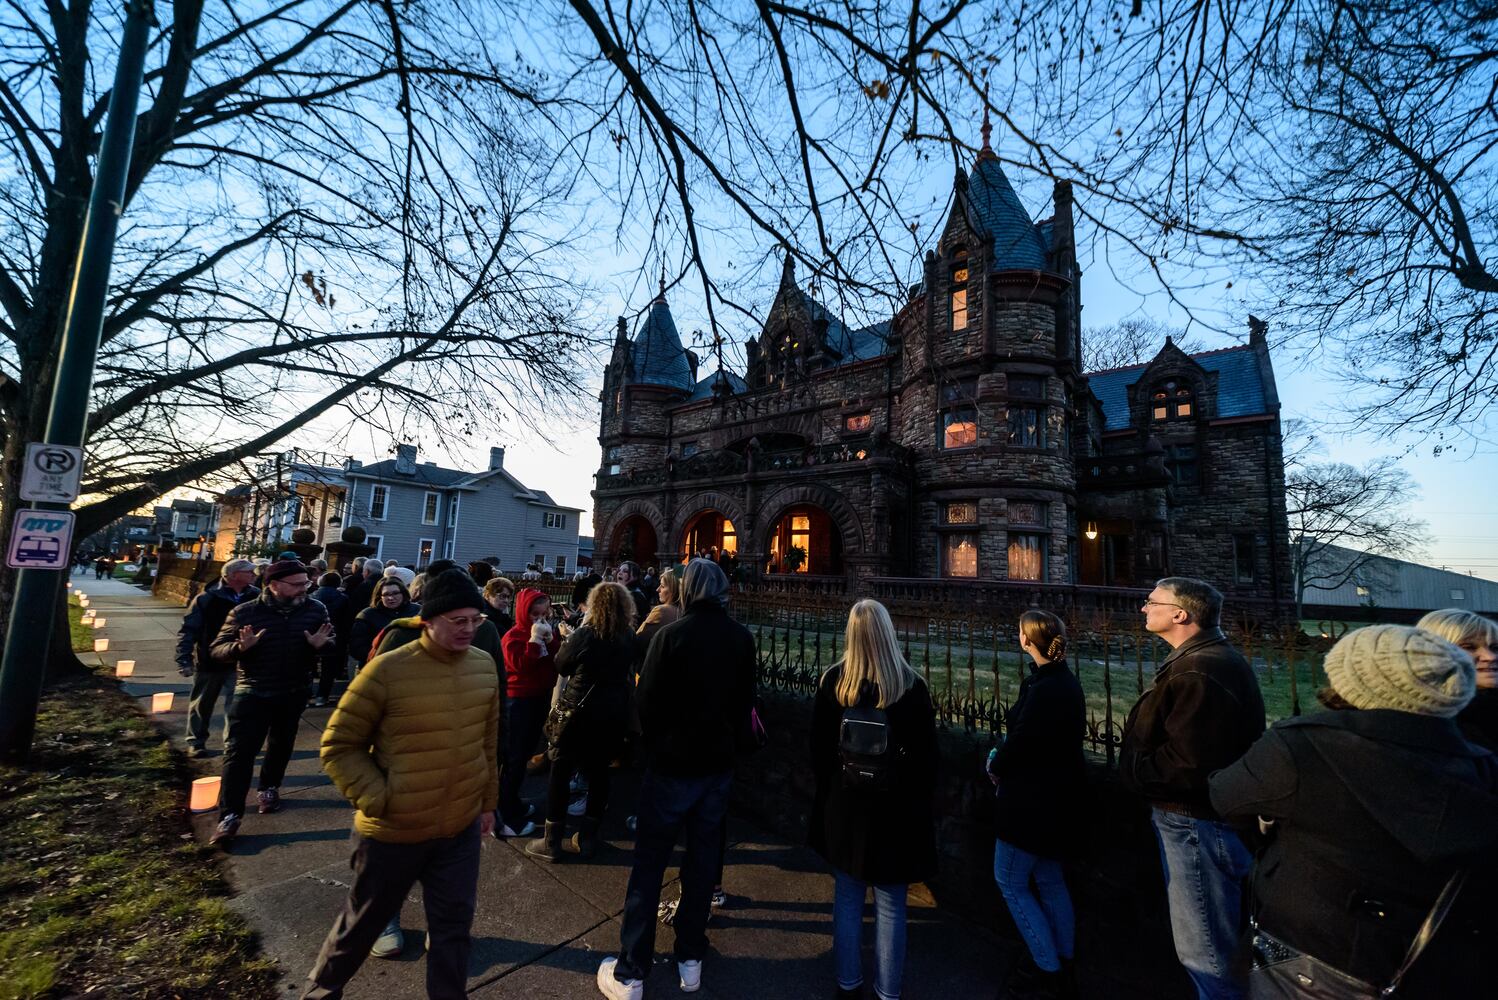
541 929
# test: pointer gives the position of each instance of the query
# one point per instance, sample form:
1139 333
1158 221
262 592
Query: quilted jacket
413 743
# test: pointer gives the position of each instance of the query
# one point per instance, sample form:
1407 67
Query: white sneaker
391 941
691 976
612 988
577 807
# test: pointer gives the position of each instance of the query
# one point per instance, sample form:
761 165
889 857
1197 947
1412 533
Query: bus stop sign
40 539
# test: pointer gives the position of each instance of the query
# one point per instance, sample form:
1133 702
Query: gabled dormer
795 339
1173 392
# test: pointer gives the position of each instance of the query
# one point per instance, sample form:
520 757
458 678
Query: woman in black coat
1042 790
390 600
1371 809
872 818
598 660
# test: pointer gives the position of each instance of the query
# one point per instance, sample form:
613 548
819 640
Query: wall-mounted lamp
1091 531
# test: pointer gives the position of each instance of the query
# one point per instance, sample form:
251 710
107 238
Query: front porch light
1091 531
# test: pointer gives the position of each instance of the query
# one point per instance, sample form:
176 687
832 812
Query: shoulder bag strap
1433 920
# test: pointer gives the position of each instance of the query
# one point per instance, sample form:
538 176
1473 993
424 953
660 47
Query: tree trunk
61 660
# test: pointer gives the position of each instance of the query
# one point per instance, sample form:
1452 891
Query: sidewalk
541 929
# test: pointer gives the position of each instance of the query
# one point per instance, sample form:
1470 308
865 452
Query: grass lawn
103 889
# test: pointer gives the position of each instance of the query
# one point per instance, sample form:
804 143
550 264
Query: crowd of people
1347 850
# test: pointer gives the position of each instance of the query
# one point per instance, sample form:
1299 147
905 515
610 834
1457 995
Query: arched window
959 289
1173 401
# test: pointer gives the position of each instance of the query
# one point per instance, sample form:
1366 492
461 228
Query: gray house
416 512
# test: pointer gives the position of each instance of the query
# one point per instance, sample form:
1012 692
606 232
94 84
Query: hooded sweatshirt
1373 811
530 671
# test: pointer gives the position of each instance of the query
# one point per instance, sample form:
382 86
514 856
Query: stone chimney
405 459
496 457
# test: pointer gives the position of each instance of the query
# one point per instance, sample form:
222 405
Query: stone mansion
960 439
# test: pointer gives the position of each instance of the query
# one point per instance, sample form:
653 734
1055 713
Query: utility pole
30 633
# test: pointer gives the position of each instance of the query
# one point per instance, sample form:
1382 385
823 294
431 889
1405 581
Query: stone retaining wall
183 579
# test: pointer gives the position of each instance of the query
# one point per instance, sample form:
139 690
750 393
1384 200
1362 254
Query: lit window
959 427
960 513
801 539
857 423
959 556
1026 557
730 537
1025 427
959 290
1172 401
424 552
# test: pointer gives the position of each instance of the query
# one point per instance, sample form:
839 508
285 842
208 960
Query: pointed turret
658 356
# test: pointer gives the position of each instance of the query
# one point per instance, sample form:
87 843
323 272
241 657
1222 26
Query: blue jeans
848 895
1205 866
670 807
524 720
1043 914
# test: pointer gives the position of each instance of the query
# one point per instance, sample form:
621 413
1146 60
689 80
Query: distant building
1378 588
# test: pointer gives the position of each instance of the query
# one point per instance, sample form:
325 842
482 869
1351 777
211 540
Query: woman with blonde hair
874 755
1041 778
668 592
1478 636
598 661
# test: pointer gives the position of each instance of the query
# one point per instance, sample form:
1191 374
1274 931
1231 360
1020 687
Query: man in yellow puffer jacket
413 746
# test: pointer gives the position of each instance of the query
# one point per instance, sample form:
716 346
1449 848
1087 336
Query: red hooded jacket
529 672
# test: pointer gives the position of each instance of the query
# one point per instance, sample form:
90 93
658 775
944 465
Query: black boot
549 846
583 843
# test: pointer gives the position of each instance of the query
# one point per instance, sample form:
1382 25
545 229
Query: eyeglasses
1162 604
473 622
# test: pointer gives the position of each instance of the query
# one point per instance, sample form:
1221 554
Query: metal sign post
29 636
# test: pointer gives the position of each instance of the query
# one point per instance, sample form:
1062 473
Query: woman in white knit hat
1372 809
1479 637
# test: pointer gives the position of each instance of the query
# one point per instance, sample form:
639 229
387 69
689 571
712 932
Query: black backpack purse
866 749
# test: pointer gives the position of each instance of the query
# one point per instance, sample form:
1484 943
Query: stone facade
959 439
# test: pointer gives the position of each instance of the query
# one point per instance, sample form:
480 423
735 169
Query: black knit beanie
449 591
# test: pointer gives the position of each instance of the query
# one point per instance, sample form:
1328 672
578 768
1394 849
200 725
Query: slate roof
998 211
658 357
425 475
1240 386
704 388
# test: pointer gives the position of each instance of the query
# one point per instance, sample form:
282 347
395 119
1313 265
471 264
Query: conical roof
996 209
658 357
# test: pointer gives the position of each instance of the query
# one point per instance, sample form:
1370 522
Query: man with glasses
413 745
278 640
210 677
1201 714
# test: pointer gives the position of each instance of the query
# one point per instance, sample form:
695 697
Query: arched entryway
635 540
710 533
804 539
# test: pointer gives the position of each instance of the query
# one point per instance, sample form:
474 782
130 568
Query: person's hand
248 637
321 637
540 633
185 669
563 629
486 823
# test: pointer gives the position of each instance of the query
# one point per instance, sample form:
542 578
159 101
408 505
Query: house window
452 511
801 539
689 448
377 499
1457 594
959 427
1026 430
377 542
1027 386
857 423
424 549
959 555
1028 513
1180 461
963 512
1172 401
539 561
1243 558
554 519
611 459
1026 556
561 565
959 290
429 508
447 549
